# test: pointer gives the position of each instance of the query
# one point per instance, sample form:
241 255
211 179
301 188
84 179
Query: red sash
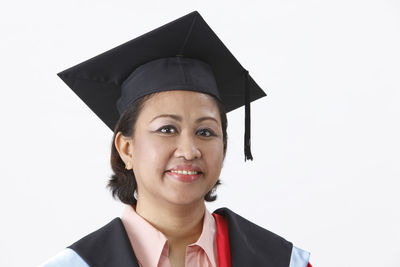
224 252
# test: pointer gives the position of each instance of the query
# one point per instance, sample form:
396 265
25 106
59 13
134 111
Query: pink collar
151 246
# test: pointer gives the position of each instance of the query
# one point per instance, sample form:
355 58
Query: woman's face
177 147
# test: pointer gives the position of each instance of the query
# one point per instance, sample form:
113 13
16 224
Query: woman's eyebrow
172 116
206 118
179 118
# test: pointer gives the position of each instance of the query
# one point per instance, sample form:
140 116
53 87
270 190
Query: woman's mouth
185 172
185 176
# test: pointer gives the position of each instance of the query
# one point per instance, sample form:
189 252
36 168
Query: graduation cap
184 54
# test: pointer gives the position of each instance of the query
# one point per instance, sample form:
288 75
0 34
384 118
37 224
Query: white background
325 139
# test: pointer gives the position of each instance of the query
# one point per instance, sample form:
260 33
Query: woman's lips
185 176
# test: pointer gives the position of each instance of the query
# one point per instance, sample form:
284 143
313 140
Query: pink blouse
151 246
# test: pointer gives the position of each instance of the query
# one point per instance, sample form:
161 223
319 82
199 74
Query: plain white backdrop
326 173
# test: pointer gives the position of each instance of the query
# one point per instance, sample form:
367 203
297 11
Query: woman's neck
181 224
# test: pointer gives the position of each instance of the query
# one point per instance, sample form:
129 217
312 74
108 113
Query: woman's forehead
181 102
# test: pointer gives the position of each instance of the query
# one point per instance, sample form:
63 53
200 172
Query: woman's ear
123 145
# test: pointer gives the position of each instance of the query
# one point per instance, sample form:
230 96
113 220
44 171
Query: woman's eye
205 132
167 129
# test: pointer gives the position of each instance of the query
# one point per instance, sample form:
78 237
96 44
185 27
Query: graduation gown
249 245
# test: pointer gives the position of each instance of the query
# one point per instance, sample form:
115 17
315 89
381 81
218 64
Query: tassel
247 149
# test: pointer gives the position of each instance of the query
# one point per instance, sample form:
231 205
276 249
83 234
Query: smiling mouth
185 172
185 176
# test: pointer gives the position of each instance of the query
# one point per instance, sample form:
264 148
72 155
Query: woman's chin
185 193
185 199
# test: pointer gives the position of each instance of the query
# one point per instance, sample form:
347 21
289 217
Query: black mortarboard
184 54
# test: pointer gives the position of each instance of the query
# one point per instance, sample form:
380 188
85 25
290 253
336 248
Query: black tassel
247 149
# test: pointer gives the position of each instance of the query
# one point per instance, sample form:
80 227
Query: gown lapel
251 245
108 246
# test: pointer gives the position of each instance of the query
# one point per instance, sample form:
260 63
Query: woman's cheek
160 147
216 146
146 147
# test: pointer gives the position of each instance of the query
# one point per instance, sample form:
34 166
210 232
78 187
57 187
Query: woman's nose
187 147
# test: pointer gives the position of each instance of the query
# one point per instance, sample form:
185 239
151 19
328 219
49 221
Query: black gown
250 245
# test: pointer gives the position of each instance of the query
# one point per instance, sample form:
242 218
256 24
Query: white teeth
185 172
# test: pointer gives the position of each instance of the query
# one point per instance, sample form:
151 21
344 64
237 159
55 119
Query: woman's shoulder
65 258
241 227
252 243
107 246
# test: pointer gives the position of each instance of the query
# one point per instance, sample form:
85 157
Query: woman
165 95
